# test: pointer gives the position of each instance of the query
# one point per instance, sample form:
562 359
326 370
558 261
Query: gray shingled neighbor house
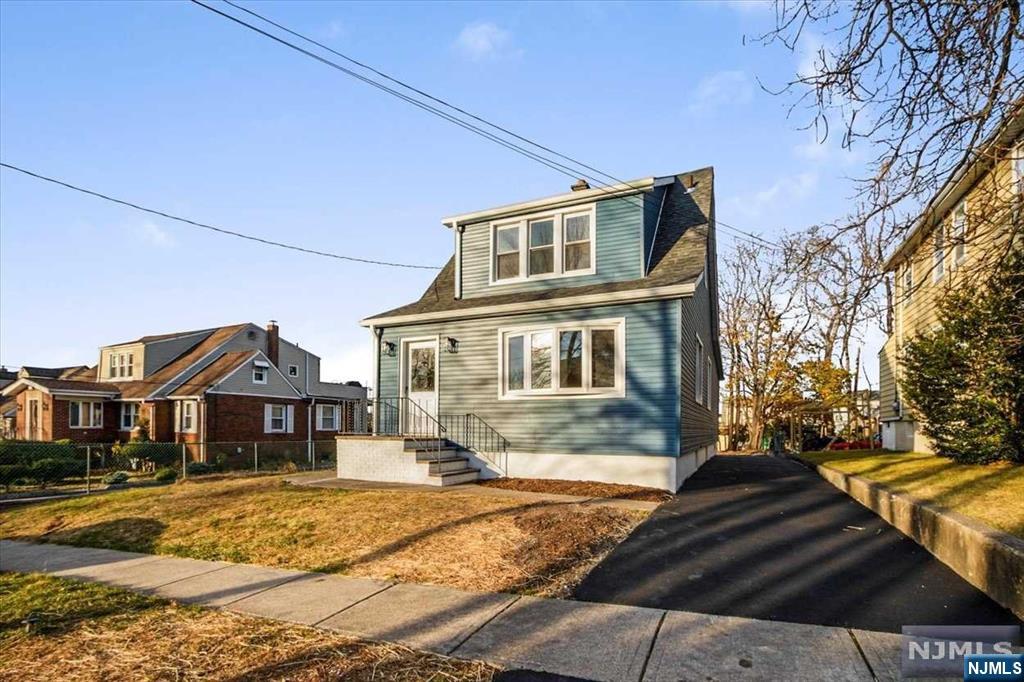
570 337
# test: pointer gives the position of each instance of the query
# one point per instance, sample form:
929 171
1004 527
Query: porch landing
396 459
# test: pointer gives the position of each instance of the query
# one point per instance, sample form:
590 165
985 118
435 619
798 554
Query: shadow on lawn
128 534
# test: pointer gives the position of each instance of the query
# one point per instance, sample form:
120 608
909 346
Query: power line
557 166
214 228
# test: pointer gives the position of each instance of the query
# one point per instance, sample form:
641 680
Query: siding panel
698 425
643 422
619 241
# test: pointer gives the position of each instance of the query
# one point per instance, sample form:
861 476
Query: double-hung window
278 418
542 246
566 359
1018 168
85 414
327 417
129 416
112 365
577 242
185 416
939 254
506 249
958 233
121 365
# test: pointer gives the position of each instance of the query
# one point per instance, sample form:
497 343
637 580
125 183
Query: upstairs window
543 246
939 254
293 370
577 242
1018 167
259 372
573 359
121 365
958 233
507 253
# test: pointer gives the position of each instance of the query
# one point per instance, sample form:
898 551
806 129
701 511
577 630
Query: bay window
566 359
542 246
85 414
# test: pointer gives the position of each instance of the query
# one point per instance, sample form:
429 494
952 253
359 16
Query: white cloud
155 235
484 40
721 89
774 199
334 29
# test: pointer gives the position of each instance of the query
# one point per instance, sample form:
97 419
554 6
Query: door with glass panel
420 417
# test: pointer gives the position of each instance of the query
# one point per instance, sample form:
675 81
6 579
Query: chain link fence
33 468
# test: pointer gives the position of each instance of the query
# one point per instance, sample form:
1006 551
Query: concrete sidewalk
577 639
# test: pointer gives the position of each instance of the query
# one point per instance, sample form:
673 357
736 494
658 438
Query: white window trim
1018 180
287 418
320 410
938 253
135 409
179 416
81 403
291 368
707 381
262 370
907 287
585 391
960 240
523 222
698 374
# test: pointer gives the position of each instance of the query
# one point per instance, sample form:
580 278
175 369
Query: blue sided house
570 337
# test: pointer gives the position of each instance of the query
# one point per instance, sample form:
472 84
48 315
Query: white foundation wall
652 471
382 460
905 435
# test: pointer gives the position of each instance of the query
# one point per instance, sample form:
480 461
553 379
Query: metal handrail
396 404
477 435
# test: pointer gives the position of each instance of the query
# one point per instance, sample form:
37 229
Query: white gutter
566 302
557 201
458 258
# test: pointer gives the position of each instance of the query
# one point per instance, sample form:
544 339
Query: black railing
473 433
406 418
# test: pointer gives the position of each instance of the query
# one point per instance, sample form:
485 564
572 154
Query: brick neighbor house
226 384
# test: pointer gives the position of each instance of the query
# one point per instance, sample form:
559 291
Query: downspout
309 431
202 428
458 258
377 335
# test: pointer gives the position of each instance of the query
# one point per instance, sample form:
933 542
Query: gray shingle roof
678 256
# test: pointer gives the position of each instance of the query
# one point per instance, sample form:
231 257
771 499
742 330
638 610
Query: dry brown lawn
462 540
617 491
90 632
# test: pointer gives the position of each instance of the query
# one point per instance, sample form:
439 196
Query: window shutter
337 423
266 418
290 418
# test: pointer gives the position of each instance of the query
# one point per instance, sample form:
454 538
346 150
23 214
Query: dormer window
543 246
259 372
507 253
121 365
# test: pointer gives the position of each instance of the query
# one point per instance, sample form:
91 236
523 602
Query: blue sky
170 106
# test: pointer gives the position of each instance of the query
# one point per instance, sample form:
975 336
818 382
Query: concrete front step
413 444
433 455
467 475
450 464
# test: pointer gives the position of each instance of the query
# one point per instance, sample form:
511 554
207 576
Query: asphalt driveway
764 537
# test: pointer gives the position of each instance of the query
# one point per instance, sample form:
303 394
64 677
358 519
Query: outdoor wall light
389 349
451 345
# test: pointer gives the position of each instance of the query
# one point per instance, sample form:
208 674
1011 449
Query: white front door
421 388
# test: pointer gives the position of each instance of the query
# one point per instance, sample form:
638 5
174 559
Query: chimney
272 341
580 185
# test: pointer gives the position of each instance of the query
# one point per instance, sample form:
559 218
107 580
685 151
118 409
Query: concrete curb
989 559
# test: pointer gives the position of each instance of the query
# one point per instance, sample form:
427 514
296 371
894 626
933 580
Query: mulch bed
617 491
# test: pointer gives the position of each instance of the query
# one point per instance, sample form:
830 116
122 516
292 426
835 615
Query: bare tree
921 84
